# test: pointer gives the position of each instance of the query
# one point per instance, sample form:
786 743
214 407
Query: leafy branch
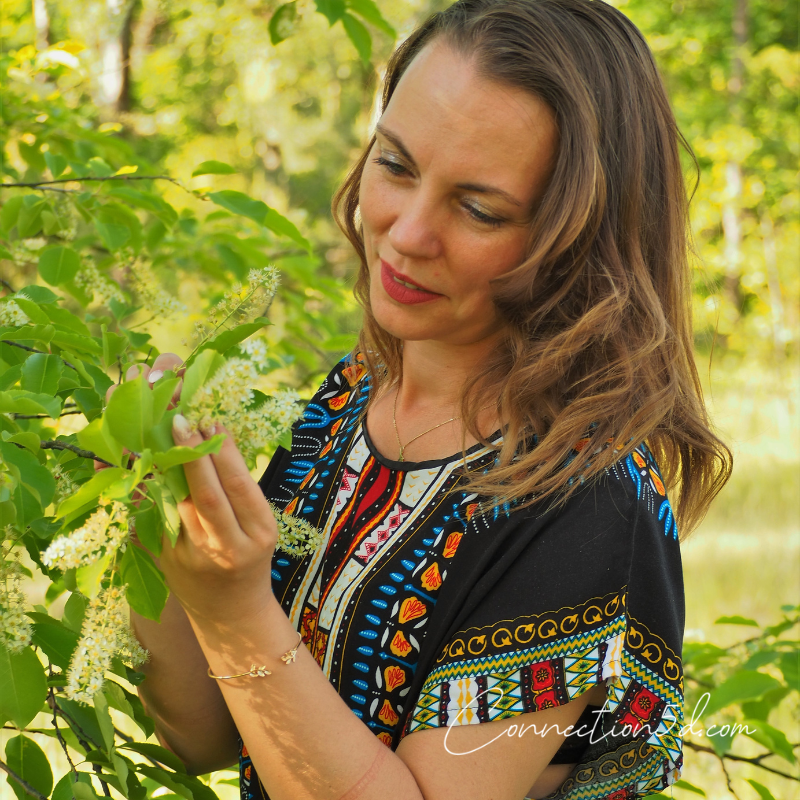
56 445
754 760
27 788
34 350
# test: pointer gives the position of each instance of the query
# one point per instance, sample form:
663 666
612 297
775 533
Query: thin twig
98 179
24 784
54 445
42 416
34 350
7 285
61 741
83 740
727 776
756 761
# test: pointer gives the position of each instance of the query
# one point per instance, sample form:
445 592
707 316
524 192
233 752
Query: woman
500 561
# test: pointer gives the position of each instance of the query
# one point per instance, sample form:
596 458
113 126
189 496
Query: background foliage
92 87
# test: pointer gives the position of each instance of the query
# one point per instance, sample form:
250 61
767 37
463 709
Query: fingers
210 501
163 363
246 498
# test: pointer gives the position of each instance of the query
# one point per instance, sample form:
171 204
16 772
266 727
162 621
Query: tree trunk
732 209
115 73
41 22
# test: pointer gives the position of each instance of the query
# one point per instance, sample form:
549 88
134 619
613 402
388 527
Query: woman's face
447 196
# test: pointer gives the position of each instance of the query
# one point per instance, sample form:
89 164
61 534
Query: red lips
399 291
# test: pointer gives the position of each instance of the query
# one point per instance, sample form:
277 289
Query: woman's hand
219 568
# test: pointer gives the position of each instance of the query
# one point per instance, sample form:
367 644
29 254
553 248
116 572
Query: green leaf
359 36
113 345
771 738
41 373
148 526
29 221
282 23
742 685
23 686
790 667
39 294
763 792
91 404
32 473
89 578
167 779
28 760
97 438
29 440
56 163
104 720
113 234
129 413
90 490
63 790
58 265
65 319
366 9
202 367
147 593
18 401
736 620
10 212
183 455
40 333
259 212
214 168
163 390
74 611
156 753
32 310
55 639
690 787
74 341
10 376
167 508
86 718
332 10
227 339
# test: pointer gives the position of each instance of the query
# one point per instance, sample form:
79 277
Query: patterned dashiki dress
426 608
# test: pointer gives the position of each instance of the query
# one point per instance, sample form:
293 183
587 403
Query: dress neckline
411 466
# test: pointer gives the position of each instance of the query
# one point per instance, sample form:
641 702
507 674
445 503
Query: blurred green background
170 83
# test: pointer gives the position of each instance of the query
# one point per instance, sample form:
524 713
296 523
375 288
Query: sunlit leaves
23 686
28 760
282 23
58 265
359 36
147 593
214 167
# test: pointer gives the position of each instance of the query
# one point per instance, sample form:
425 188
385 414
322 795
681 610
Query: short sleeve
595 597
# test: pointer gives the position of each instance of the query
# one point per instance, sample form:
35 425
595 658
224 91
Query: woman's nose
415 231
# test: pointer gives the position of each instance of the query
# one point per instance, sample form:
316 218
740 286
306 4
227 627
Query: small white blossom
150 293
296 536
100 286
102 533
256 350
65 486
130 650
103 631
12 316
15 627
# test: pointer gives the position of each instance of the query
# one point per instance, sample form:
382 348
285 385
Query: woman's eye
392 166
483 218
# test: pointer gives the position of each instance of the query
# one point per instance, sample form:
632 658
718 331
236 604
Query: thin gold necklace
397 435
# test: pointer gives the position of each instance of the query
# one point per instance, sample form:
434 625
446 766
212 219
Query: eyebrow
480 188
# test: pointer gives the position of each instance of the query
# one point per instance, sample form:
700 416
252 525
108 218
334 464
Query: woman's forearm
190 713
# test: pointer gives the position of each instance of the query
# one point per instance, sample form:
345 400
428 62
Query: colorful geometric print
519 667
362 601
641 469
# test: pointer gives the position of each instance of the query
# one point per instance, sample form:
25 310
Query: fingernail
208 428
155 375
182 428
133 372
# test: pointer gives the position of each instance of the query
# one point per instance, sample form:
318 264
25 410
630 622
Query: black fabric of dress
427 606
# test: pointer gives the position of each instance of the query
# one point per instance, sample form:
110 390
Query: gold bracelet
259 672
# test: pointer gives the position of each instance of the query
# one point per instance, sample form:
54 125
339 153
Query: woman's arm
191 717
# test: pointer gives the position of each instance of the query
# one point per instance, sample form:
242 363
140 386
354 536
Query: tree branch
42 416
84 740
34 350
95 179
24 784
756 761
6 285
54 706
53 445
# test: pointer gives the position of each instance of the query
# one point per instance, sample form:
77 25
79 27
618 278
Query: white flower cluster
105 633
12 316
297 537
241 303
102 533
149 293
100 286
15 627
256 351
227 398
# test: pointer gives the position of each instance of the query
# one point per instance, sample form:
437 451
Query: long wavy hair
598 339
